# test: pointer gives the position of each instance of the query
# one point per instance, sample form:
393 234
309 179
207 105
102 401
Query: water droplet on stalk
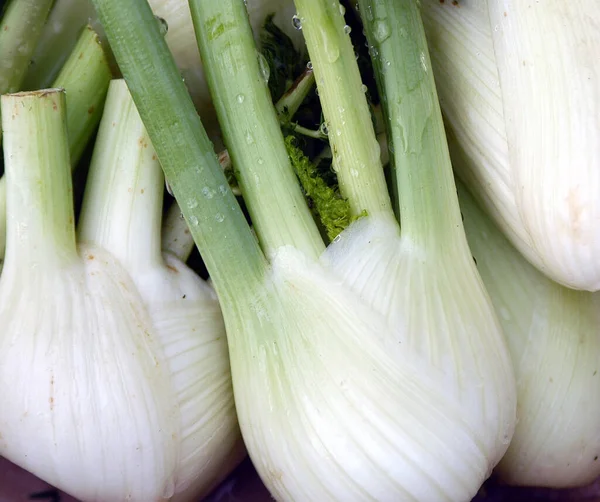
263 66
296 22
381 30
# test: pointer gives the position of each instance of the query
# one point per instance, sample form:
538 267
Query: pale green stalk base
85 78
351 135
428 205
40 226
122 206
251 128
20 30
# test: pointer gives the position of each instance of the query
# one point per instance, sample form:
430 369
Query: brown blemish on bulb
90 257
275 474
576 209
51 399
91 110
170 267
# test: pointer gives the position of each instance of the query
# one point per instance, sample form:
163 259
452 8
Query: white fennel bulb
553 335
519 86
341 393
126 392
407 298
331 410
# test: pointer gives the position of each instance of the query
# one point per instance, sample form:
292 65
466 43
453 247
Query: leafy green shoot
326 202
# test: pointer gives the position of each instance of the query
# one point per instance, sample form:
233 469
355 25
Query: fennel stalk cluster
321 365
400 353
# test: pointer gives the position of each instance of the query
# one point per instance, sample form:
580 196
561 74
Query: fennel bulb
113 363
341 393
519 85
553 335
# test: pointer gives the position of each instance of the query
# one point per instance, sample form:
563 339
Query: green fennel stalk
20 29
85 77
355 149
49 217
425 189
251 128
59 35
230 250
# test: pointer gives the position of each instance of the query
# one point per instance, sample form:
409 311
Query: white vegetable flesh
335 401
519 84
115 380
553 335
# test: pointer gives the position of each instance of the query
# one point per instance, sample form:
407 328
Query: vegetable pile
360 323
